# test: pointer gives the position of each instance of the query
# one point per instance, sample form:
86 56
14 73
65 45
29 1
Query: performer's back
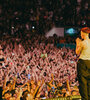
85 53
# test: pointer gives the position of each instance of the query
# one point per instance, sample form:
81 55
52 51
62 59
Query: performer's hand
78 40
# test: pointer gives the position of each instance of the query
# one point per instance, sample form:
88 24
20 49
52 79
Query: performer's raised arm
78 46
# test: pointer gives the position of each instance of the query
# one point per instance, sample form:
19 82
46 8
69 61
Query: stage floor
76 97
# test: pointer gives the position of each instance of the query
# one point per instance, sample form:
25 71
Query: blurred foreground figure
83 65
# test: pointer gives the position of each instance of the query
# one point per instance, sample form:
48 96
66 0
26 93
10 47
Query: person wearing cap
83 65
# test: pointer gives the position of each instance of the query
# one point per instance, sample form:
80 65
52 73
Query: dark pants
83 74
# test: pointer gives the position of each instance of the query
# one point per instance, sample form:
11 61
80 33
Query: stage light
71 31
12 27
33 27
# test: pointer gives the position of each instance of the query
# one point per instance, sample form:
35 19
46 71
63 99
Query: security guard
83 65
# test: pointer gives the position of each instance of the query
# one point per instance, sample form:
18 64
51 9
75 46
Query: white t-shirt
85 53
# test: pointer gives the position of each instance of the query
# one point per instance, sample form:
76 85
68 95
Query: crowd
34 61
31 66
41 15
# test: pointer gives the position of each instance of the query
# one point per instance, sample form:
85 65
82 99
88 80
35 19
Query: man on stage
83 65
